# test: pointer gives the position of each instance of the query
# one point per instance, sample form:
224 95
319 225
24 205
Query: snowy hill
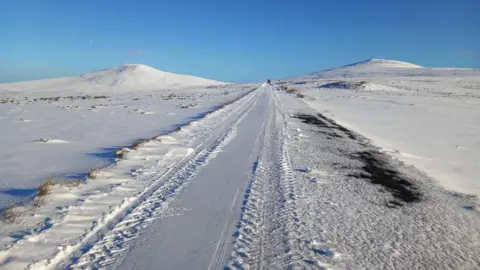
383 67
121 78
381 63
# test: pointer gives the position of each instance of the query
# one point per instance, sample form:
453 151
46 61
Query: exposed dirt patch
376 167
378 172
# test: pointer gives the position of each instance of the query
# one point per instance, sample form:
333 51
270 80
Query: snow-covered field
243 176
64 133
426 117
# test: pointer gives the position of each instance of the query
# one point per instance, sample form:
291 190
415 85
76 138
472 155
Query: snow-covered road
290 188
264 183
200 237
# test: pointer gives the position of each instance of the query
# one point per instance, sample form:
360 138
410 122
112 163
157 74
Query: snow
121 78
382 67
344 176
74 216
432 122
64 133
381 63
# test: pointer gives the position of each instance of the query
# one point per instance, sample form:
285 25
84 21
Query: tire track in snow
268 228
116 243
222 120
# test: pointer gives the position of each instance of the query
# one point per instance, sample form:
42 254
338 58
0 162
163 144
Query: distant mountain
128 77
384 67
381 63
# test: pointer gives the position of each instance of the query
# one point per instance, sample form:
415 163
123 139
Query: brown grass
70 183
93 173
122 153
11 213
291 90
43 190
137 144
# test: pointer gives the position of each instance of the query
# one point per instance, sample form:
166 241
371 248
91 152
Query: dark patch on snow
376 167
324 252
311 120
304 170
334 124
345 85
324 122
376 170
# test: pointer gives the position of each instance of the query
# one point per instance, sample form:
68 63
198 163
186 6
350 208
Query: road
273 184
200 237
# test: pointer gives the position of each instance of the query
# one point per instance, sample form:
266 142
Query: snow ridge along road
116 242
93 210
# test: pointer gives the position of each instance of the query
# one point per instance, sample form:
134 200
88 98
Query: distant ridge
384 67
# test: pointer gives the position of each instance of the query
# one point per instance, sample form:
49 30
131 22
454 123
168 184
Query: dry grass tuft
137 144
284 87
11 213
291 90
70 183
44 189
93 173
122 152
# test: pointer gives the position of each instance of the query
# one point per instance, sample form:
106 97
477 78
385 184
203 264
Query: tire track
112 241
268 228
116 243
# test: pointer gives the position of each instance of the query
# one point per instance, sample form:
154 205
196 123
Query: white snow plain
425 117
61 131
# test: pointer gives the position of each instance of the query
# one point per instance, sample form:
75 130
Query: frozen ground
62 131
426 117
91 130
268 181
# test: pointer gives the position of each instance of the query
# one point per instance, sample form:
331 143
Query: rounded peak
383 63
137 75
131 67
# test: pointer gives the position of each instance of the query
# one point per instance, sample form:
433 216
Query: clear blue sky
237 41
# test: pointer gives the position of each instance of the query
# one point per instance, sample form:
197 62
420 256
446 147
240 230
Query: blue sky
236 41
